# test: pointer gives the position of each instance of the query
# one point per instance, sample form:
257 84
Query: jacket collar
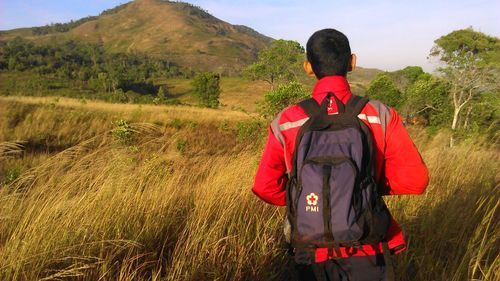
335 84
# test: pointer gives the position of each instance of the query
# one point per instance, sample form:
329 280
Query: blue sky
384 34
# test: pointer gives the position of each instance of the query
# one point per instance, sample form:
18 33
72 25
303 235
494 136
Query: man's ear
308 69
352 63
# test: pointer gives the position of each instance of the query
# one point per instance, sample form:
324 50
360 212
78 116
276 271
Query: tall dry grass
150 209
10 149
453 230
47 125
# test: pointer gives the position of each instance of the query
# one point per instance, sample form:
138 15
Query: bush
182 123
123 132
281 97
181 146
253 129
206 88
12 175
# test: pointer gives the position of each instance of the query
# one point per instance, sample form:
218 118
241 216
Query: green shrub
253 129
159 123
123 133
181 146
11 175
223 126
178 124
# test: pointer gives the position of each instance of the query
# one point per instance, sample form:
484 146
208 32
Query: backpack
332 196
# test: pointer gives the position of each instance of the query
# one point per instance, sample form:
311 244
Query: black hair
329 53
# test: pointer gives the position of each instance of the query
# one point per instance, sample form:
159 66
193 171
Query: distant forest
116 77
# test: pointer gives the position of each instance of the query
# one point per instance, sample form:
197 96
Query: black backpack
333 199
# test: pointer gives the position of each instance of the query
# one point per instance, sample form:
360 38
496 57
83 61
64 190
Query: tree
207 89
280 62
383 88
281 97
470 68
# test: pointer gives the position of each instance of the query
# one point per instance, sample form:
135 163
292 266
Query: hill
360 79
180 32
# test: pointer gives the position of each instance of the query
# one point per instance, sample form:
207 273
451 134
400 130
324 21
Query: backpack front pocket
325 180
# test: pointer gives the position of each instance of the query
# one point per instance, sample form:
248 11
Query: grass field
164 194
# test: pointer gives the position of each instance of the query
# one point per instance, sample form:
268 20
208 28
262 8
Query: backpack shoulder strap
310 106
356 104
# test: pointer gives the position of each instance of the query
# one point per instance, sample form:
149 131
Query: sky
388 35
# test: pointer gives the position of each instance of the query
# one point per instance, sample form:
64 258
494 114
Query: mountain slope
180 32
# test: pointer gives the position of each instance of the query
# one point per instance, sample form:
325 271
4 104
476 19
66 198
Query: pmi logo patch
312 199
312 202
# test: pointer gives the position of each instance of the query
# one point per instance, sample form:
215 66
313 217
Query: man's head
328 54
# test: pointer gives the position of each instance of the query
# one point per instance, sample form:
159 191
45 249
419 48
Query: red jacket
398 164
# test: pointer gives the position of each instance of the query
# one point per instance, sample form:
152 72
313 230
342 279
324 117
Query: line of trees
463 96
60 27
65 27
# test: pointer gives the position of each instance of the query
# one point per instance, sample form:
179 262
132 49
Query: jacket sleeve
270 180
405 171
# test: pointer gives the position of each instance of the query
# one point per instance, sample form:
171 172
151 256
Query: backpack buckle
305 255
334 251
